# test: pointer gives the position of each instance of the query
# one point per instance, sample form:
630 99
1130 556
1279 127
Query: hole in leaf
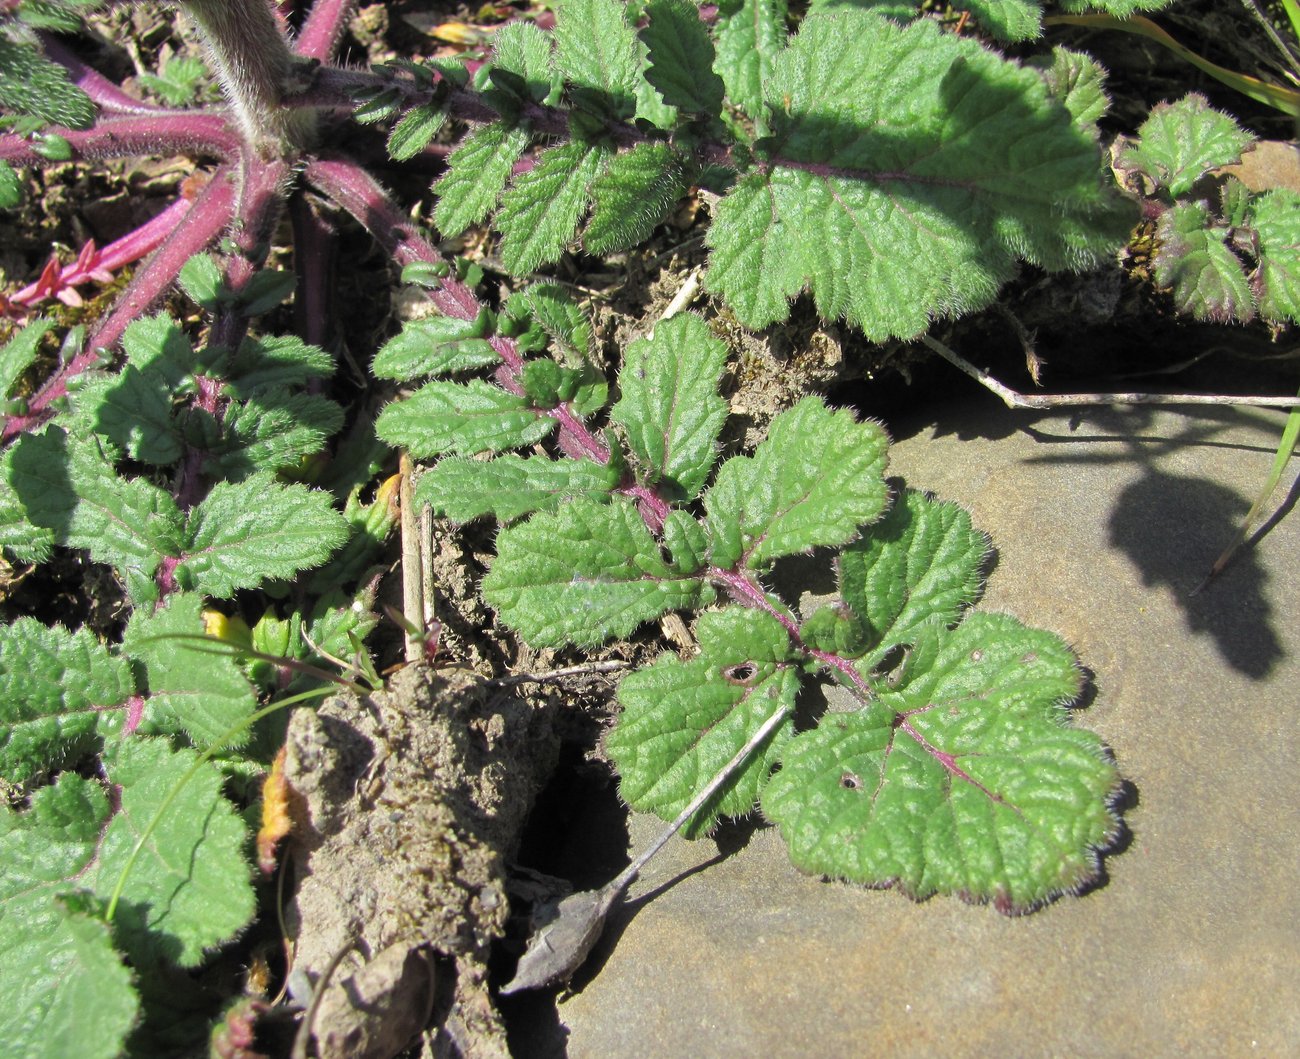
851 782
977 655
743 674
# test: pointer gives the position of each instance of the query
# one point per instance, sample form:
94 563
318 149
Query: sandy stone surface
1104 522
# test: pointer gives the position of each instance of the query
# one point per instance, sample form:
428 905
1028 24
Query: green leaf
749 36
66 991
18 537
509 487
11 188
913 200
681 57
1180 142
1007 19
670 410
55 689
188 889
191 690
133 409
552 308
682 721
246 532
74 995
32 84
525 51
584 574
596 53
202 280
1079 82
18 354
477 172
541 209
433 345
920 564
446 417
180 80
274 432
632 195
686 542
67 486
966 779
418 127
816 480
272 362
156 343
1276 220
1194 258
1118 8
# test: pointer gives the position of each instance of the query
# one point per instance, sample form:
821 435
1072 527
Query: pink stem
98 87
324 27
164 133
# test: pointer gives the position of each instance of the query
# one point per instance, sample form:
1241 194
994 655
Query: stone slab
1104 522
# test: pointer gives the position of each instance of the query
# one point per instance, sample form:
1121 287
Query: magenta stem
164 133
99 88
323 29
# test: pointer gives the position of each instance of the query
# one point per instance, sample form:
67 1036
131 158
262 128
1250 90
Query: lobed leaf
477 172
911 201
510 486
681 57
188 889
1275 217
525 51
596 53
670 410
632 194
1180 142
966 779
1194 258
271 363
816 480
68 486
66 990
564 322
540 211
133 409
190 690
919 565
749 36
246 532
583 574
55 689
445 417
273 432
682 721
433 345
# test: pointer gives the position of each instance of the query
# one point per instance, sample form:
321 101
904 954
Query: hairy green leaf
244 533
816 480
412 134
32 84
1194 258
525 51
17 355
1180 142
682 721
179 81
681 57
749 36
66 990
920 564
565 323
541 209
68 486
583 574
55 689
434 345
670 410
272 362
275 431
477 172
11 188
133 409
509 487
1276 220
913 200
965 779
1079 82
189 888
596 52
445 417
631 195
190 690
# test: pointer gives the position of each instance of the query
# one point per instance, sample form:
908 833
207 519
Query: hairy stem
323 28
163 133
252 61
